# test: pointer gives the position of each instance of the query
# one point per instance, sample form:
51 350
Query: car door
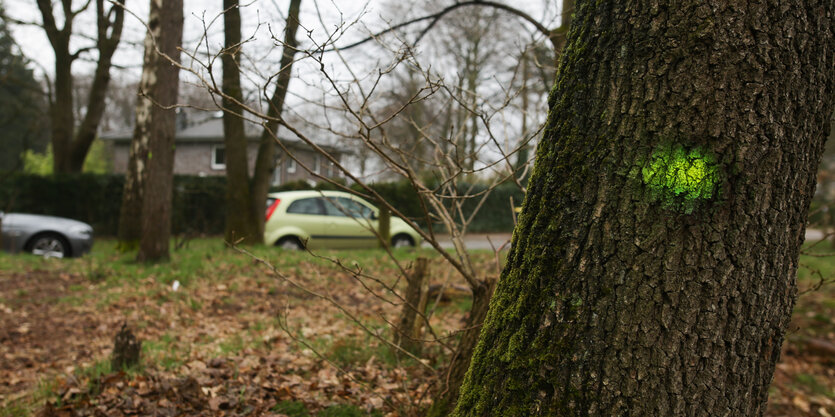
349 224
308 215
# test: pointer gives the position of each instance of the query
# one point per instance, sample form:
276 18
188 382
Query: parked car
328 219
48 236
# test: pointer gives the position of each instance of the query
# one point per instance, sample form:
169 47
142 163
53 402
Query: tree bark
653 267
247 198
242 218
407 332
166 23
265 161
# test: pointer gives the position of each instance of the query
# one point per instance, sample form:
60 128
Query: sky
201 17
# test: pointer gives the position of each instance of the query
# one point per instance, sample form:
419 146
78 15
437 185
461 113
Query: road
476 241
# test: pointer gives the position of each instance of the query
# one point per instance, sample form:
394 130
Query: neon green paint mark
681 177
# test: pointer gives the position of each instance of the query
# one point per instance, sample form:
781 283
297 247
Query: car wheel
289 243
402 241
49 246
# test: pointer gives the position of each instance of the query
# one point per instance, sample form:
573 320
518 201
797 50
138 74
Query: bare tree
71 142
365 117
246 197
146 202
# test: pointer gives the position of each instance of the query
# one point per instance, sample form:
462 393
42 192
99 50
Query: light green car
328 219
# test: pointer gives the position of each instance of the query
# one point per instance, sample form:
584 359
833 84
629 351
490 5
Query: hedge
199 202
95 199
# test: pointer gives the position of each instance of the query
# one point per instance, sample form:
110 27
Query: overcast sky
261 19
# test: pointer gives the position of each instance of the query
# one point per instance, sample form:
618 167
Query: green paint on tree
681 177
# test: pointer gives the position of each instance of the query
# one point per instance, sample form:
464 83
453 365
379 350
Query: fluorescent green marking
681 177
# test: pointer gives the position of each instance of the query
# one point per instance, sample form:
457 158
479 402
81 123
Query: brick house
201 151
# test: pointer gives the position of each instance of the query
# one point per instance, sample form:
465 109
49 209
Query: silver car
47 236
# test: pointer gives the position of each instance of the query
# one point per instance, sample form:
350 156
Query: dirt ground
216 347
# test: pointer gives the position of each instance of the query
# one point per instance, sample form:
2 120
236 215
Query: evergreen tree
22 105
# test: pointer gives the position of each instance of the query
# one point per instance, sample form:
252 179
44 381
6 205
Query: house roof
210 130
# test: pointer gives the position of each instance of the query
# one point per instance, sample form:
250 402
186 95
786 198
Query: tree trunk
265 162
407 332
69 148
242 218
109 34
653 268
166 22
130 212
61 116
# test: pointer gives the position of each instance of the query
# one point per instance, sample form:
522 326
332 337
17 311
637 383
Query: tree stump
126 349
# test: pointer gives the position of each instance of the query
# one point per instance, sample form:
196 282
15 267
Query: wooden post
384 226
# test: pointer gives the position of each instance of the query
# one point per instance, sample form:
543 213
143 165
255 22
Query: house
201 151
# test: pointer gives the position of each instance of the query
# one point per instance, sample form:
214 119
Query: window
218 157
277 173
345 207
291 166
316 164
305 206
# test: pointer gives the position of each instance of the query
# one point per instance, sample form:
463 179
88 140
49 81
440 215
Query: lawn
304 339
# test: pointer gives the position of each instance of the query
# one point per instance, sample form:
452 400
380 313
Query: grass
811 383
164 352
299 409
291 408
27 405
107 278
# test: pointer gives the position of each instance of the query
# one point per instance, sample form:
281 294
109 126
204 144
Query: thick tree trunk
265 162
242 218
166 20
653 268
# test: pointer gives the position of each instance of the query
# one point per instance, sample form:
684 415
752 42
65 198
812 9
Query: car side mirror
373 216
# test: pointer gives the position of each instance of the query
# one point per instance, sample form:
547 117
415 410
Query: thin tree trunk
109 34
130 212
61 116
166 20
407 332
242 218
265 162
457 368
653 268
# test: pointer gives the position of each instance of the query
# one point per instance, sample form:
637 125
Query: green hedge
199 201
95 199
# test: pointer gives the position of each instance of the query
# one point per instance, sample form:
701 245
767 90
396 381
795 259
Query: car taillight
271 208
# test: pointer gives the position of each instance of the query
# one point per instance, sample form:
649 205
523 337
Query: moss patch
680 177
